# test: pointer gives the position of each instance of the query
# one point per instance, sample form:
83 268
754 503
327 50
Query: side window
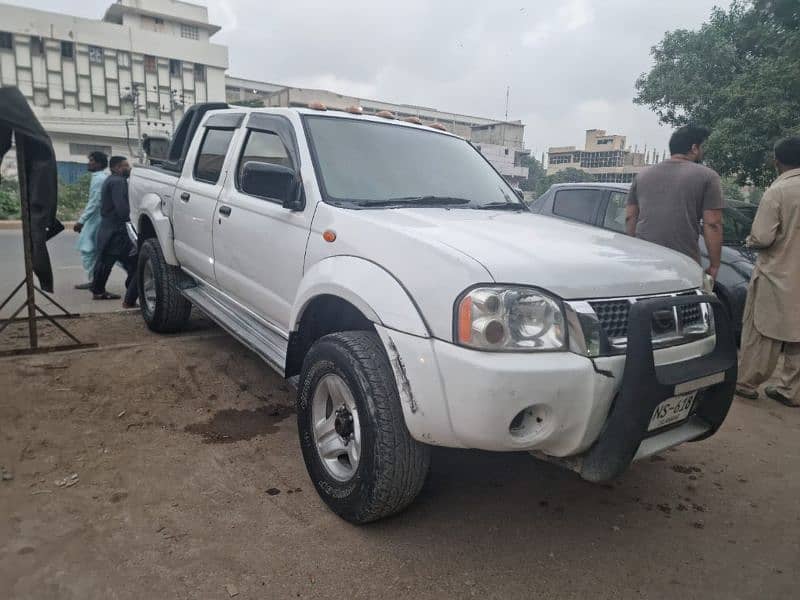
578 205
537 205
615 212
265 147
212 153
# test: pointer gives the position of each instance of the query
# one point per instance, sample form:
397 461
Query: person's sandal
106 296
771 392
746 393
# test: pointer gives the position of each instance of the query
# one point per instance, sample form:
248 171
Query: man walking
113 243
667 201
89 220
771 314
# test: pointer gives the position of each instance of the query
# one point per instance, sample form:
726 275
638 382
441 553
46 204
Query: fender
150 208
370 288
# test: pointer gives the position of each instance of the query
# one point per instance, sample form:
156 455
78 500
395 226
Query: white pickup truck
391 268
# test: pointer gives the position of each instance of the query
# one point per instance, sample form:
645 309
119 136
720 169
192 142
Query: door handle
185 196
225 211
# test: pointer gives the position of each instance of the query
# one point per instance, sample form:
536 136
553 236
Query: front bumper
560 404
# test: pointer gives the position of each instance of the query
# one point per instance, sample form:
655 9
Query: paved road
67 271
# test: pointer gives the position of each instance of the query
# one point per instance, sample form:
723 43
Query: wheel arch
152 223
346 293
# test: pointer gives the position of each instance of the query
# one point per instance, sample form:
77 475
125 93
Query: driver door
259 246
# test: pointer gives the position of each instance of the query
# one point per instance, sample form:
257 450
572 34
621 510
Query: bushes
72 197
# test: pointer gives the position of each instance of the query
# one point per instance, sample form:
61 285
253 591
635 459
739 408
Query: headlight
510 319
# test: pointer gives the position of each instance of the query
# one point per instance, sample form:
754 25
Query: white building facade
99 84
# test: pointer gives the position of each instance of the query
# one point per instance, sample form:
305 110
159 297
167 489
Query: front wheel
361 458
164 308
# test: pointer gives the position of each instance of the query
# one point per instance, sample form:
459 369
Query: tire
163 307
392 466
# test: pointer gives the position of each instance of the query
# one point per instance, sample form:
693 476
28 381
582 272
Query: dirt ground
190 484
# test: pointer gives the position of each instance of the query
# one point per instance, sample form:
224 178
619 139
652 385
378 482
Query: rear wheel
164 308
357 449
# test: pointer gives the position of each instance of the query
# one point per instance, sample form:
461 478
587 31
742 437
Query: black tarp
38 162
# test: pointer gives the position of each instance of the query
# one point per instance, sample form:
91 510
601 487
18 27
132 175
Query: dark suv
603 205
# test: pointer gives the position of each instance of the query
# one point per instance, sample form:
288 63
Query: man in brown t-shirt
667 201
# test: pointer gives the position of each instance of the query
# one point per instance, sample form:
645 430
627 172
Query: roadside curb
18 224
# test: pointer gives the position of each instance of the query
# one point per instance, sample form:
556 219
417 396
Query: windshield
367 164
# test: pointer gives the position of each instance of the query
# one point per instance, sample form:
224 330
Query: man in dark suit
113 243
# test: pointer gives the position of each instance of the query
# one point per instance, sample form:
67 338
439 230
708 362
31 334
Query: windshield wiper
501 206
415 201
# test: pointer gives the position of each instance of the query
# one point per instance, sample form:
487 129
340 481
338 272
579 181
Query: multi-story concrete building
99 84
501 142
604 156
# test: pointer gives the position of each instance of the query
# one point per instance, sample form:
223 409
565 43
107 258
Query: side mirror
519 193
273 182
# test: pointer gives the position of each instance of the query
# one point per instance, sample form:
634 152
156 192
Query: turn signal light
465 320
329 235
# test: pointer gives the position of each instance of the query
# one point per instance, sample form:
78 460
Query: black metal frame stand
31 288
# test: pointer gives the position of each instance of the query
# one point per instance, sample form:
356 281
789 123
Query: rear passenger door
578 204
195 199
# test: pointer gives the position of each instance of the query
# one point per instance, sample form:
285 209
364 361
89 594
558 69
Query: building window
95 55
175 67
123 59
190 32
149 63
6 41
86 149
67 49
199 72
37 46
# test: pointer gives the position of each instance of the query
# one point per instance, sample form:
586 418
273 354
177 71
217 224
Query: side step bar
268 344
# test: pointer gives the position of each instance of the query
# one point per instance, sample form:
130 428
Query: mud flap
645 386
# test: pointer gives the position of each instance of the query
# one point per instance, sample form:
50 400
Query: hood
571 260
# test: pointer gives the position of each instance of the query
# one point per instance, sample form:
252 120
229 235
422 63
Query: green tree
736 75
568 175
732 190
9 199
72 197
535 173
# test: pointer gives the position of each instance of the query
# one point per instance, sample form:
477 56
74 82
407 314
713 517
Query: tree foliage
72 197
737 75
568 175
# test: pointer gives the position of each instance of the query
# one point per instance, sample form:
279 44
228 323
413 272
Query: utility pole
508 92
133 96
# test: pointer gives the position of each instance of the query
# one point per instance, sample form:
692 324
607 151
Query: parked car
603 205
388 267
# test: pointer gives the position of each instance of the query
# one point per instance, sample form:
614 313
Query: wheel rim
336 428
149 287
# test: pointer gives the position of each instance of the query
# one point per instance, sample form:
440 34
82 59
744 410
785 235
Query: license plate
672 410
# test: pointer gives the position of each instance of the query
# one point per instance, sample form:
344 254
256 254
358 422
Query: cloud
570 16
570 65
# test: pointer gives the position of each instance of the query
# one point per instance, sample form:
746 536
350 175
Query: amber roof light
385 114
317 106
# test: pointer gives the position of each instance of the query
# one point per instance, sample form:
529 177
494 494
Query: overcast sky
571 64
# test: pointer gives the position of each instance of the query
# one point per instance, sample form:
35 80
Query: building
99 84
501 142
604 156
